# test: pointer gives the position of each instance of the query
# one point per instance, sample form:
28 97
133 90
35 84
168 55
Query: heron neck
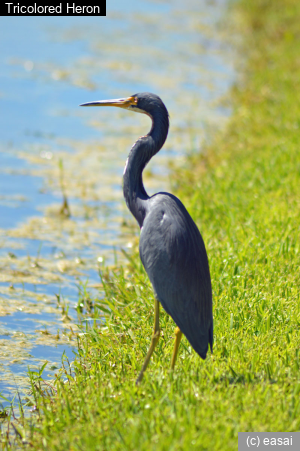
140 154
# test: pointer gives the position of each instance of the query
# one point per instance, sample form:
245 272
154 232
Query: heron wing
174 256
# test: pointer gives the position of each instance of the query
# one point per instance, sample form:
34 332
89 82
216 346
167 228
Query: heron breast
125 168
163 217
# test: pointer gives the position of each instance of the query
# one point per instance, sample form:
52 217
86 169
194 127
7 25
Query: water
48 66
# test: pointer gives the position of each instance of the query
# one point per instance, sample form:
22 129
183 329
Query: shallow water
48 66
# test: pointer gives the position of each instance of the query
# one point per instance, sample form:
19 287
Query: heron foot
154 340
178 335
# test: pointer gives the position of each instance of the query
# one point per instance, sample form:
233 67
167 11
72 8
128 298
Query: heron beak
121 103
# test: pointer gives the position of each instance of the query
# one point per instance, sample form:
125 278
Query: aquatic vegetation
61 174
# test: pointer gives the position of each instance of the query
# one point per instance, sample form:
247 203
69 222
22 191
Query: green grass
243 192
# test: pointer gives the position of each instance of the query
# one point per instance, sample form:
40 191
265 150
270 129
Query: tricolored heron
171 247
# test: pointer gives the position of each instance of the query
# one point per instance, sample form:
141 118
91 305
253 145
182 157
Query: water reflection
49 66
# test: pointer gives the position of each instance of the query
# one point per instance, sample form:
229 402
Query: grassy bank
243 192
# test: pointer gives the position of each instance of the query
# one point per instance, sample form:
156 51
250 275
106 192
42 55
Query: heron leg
155 337
178 335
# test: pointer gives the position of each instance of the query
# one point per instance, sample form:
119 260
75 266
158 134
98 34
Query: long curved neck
140 154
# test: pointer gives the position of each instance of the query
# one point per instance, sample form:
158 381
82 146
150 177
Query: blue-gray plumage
171 247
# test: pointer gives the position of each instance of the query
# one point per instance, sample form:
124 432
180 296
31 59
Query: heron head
144 102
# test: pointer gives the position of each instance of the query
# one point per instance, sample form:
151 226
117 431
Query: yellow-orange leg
178 335
155 337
